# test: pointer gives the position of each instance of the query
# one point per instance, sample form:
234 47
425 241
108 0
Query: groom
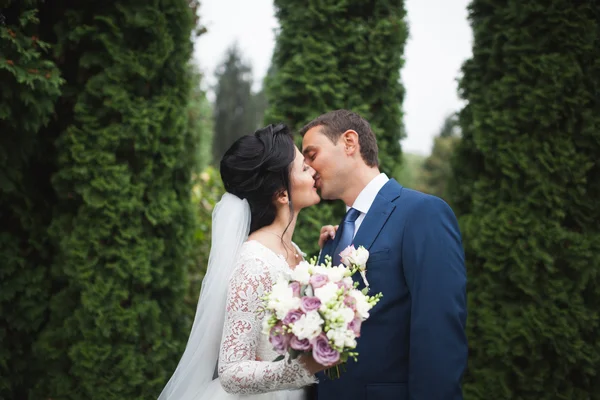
414 344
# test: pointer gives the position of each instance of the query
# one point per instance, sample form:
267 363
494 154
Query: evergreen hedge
200 120
233 112
206 193
96 209
526 190
30 84
338 54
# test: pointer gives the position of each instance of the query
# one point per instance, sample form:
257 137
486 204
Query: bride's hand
327 232
311 365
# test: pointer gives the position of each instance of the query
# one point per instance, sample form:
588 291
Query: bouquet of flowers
318 309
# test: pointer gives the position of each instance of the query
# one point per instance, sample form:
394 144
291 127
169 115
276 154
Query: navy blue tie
346 230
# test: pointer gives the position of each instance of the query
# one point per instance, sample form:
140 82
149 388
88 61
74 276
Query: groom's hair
334 123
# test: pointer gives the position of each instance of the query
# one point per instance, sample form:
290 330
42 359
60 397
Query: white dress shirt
366 197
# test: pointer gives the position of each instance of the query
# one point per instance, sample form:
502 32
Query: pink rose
354 326
279 339
346 253
346 284
292 317
322 351
350 302
318 280
295 288
300 345
310 303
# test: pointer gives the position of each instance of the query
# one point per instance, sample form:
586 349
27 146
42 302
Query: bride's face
302 182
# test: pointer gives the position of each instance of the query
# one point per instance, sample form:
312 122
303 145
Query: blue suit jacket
414 345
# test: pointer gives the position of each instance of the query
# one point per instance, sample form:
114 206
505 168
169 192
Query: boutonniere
356 259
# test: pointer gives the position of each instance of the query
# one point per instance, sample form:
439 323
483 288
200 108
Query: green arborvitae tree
234 114
450 127
331 55
527 184
408 173
436 171
207 192
122 223
200 120
29 87
259 106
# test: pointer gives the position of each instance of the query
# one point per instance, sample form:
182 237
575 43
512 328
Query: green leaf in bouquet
334 372
293 355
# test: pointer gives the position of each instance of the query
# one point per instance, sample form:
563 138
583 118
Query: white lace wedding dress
246 369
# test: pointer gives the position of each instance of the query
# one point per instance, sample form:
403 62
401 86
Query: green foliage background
200 119
527 183
97 219
233 114
435 174
106 188
206 193
338 54
30 84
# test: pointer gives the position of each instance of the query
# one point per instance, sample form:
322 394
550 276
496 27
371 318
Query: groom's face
328 161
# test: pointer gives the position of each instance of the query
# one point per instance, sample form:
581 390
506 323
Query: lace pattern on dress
241 369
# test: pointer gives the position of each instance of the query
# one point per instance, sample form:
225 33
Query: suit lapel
378 214
374 220
373 223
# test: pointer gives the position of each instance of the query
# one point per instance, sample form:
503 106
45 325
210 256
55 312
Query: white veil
230 229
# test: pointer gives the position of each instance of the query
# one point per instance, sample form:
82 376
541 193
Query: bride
227 355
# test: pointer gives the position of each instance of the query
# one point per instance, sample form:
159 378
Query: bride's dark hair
257 168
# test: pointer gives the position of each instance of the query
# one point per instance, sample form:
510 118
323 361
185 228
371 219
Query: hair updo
257 168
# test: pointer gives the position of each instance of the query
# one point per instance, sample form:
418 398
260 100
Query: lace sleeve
239 371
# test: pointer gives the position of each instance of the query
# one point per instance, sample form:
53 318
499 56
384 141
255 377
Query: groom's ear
350 142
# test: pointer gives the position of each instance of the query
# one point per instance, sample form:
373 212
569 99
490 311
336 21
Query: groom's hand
327 232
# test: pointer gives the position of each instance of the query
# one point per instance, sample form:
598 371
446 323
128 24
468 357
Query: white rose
327 293
362 305
359 257
350 342
346 315
301 273
339 316
348 282
266 326
289 304
336 274
282 299
319 269
309 326
342 337
279 291
337 336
